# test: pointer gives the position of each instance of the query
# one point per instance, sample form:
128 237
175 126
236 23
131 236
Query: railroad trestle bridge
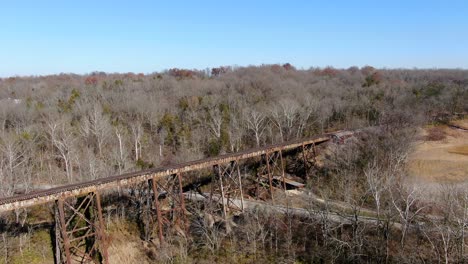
79 223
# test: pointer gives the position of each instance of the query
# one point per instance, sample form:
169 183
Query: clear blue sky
46 37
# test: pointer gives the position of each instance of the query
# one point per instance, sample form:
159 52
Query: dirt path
337 212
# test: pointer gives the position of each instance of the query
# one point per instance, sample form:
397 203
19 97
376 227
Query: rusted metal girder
309 152
115 182
169 204
81 227
157 206
270 177
102 235
282 169
227 184
273 169
305 161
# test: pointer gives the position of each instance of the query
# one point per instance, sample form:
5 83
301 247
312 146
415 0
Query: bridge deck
50 195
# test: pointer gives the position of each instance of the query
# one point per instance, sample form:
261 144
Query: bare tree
214 121
236 132
405 201
120 133
63 138
13 157
256 123
376 182
284 117
461 218
137 134
96 124
453 203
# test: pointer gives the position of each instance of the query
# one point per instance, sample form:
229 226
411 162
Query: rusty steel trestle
82 237
171 210
306 149
227 187
80 223
273 170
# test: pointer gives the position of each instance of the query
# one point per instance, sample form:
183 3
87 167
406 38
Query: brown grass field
462 150
438 161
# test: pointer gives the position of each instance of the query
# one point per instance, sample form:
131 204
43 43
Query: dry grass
439 170
125 245
462 150
439 161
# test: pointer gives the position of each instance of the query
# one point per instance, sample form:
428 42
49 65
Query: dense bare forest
69 128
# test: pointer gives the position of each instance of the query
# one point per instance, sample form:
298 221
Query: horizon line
235 66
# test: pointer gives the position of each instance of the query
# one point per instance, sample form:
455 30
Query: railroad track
111 182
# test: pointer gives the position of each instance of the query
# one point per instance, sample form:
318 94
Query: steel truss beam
227 187
169 204
129 179
80 223
80 230
309 152
272 169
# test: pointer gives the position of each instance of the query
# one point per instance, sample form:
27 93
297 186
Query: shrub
436 134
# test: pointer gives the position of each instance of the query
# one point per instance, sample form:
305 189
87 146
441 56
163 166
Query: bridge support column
157 206
217 173
227 187
80 223
305 161
239 180
270 177
306 156
273 170
182 203
169 203
282 169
